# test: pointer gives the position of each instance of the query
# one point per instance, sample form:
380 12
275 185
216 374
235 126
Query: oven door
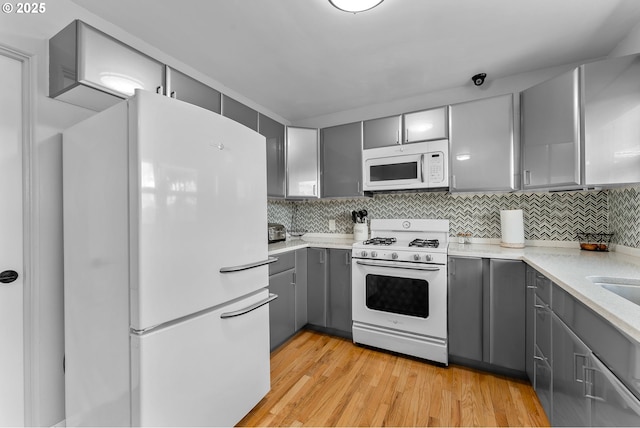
402 296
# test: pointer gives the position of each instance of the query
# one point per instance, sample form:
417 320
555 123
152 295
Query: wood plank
320 380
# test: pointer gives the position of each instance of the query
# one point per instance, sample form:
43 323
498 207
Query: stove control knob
394 256
374 254
364 254
429 257
416 257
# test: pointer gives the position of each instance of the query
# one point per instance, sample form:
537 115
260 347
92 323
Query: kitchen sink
628 288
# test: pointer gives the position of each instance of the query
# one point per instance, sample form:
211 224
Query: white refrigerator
165 264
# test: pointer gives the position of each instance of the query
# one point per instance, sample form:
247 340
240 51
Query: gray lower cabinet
530 282
274 134
329 289
341 160
486 311
585 370
287 279
465 307
188 89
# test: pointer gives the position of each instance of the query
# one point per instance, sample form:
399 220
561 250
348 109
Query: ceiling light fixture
355 6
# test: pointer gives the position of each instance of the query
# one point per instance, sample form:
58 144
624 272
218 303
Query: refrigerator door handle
248 309
239 268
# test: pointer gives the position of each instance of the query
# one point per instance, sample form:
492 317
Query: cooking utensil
354 216
363 216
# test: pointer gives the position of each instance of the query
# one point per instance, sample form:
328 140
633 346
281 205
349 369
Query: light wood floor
319 380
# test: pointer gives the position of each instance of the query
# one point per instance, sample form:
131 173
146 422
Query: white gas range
399 282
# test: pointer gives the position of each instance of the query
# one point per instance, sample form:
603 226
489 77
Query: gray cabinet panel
281 310
570 356
302 163
530 320
506 314
611 117
301 288
317 286
543 383
612 404
239 112
340 290
341 160
425 125
382 132
286 261
465 307
543 328
187 89
551 132
276 168
484 149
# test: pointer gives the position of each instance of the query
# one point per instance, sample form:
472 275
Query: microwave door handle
422 168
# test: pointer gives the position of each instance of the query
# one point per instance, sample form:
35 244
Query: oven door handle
384 265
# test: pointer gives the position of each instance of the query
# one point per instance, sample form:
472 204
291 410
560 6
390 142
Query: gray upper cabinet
302 163
188 89
341 160
274 133
580 128
382 132
239 112
93 70
425 125
551 132
484 149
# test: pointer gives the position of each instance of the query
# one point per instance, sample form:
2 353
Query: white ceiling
303 59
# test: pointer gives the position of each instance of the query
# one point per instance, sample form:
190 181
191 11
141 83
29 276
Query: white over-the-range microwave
423 165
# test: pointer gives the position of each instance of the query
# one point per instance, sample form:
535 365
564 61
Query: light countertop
567 267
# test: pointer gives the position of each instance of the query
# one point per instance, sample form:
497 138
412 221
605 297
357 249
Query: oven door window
394 171
405 296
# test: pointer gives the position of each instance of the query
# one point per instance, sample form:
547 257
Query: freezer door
198 201
206 371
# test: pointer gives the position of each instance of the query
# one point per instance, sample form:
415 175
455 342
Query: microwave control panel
435 167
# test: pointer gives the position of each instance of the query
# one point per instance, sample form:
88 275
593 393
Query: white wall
630 45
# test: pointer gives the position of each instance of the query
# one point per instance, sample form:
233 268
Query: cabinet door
114 66
543 328
507 314
185 88
570 357
551 132
382 132
301 288
282 310
465 307
612 404
341 148
340 290
317 286
425 125
239 112
302 163
529 322
543 383
483 145
611 117
274 134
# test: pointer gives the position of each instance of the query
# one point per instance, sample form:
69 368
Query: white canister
360 231
512 228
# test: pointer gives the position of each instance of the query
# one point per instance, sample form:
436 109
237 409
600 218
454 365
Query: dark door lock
8 276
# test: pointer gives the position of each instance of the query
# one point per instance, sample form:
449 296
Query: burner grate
426 243
379 241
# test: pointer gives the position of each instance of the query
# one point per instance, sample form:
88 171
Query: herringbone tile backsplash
547 216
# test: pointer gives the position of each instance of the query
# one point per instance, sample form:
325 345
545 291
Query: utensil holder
360 231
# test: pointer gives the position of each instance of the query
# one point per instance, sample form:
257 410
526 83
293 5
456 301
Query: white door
11 247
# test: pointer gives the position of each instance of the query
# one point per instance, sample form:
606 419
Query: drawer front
285 261
543 288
